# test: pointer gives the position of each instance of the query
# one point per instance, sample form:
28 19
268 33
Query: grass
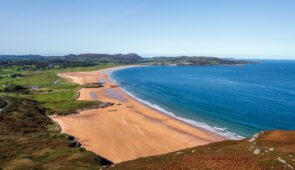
56 94
69 107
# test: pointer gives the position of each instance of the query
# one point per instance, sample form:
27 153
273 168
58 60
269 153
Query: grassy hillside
267 150
30 140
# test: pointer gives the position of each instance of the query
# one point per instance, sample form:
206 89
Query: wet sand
129 129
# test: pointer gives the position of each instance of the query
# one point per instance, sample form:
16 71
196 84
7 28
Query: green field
57 95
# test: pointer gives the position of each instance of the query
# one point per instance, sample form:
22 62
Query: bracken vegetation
266 150
30 140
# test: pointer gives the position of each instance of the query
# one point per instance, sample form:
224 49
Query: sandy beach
129 129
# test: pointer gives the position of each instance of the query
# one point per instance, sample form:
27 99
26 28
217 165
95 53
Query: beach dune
129 129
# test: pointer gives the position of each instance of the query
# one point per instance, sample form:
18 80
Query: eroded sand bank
128 129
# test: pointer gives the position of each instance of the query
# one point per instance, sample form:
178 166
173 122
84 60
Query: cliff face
266 150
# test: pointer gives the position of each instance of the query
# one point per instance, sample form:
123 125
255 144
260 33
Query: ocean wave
218 130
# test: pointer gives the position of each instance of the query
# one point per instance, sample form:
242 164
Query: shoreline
131 128
218 130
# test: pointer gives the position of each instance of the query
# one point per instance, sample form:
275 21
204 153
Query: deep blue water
233 99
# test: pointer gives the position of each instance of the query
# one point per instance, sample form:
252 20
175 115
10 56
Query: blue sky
225 28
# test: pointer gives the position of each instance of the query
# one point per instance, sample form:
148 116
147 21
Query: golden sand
129 129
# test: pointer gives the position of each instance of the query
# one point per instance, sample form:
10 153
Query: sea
233 101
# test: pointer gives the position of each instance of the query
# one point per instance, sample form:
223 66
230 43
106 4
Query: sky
222 28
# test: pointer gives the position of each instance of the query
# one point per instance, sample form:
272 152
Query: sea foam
218 130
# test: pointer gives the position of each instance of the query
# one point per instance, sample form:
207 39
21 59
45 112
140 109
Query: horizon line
249 56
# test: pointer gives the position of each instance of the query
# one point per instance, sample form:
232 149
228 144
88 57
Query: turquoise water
235 101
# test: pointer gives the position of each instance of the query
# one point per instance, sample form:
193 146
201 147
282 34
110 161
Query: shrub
15 89
2 103
16 75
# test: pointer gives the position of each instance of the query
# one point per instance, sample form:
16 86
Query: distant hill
120 58
20 57
72 60
194 60
266 150
106 58
84 60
